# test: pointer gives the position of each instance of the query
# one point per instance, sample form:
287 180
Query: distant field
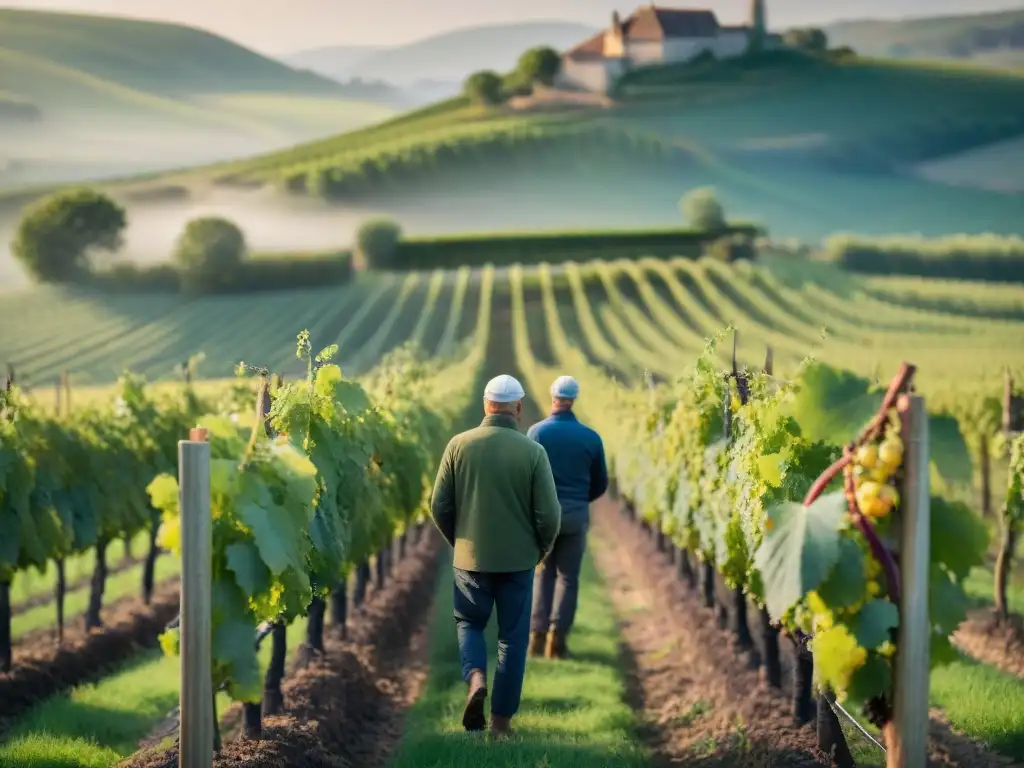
660 311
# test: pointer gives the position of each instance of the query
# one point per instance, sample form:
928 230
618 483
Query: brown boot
537 644
473 718
556 647
501 727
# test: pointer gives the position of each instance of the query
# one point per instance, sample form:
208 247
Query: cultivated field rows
629 316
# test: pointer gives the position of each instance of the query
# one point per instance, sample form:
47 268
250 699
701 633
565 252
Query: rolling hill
995 38
137 95
806 146
449 56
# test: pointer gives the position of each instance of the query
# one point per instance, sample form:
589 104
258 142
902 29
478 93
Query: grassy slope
572 712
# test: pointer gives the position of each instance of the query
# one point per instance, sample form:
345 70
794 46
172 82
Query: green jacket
494 499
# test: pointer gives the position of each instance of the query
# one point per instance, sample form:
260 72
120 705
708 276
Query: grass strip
573 712
98 725
121 584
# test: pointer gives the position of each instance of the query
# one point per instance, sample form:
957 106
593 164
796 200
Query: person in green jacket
495 503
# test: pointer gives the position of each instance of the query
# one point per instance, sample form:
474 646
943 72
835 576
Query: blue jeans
475 596
556 608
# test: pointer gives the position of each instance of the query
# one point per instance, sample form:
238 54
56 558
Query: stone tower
758 23
758 17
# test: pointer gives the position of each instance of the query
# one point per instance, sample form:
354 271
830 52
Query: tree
539 65
809 39
208 254
485 87
56 235
377 243
702 210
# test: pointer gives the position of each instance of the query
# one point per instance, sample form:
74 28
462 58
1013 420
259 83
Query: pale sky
282 26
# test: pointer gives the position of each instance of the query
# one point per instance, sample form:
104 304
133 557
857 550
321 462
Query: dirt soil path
700 706
700 703
994 642
347 708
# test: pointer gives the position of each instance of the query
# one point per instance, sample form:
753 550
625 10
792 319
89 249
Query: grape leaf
163 493
947 449
847 582
800 548
873 623
942 650
947 603
10 538
959 537
279 543
250 571
832 404
770 466
872 679
232 642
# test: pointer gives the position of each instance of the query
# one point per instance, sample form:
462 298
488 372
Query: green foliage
968 257
56 236
832 405
209 254
539 65
512 147
58 477
702 210
377 243
485 87
810 39
293 514
800 549
553 247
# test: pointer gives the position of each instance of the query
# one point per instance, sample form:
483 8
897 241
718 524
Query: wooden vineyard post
906 736
197 716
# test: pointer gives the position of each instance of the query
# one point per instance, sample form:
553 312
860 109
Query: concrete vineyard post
197 716
907 734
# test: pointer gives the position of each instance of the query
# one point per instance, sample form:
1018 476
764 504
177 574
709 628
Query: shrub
377 243
810 39
554 247
57 235
260 272
539 65
485 87
967 257
209 254
702 210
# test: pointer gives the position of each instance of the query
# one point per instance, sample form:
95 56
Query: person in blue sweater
576 455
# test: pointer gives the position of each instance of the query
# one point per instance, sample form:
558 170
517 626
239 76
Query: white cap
565 387
503 389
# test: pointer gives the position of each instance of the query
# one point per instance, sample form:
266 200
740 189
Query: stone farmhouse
653 35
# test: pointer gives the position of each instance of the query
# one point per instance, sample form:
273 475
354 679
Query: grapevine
293 514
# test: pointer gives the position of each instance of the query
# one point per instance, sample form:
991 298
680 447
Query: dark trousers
476 594
557 587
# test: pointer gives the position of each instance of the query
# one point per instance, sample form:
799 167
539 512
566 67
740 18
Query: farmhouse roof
592 48
650 22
